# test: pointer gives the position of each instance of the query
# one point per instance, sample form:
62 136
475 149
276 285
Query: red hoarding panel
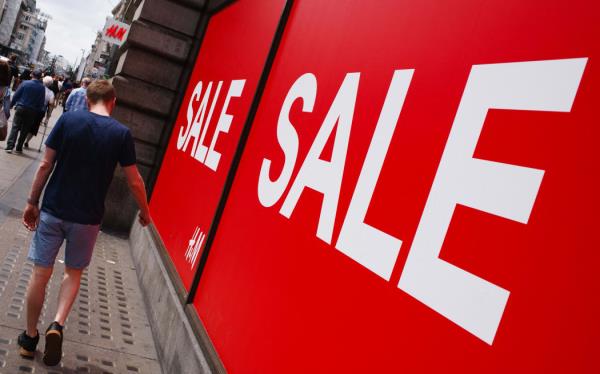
418 194
208 127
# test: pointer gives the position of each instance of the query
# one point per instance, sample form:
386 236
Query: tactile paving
107 330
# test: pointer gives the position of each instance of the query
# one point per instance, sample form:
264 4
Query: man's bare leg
36 293
68 293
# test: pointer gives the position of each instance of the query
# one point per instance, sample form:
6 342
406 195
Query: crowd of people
34 95
74 174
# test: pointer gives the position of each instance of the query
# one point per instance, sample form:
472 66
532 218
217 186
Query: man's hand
31 217
144 218
136 185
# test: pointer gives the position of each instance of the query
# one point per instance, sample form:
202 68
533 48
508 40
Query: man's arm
68 103
17 96
32 211
138 189
6 104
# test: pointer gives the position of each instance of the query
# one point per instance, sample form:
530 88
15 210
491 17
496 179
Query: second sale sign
418 191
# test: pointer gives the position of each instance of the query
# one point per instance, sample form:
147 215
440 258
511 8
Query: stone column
150 79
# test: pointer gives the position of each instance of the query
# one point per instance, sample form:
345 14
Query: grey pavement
107 330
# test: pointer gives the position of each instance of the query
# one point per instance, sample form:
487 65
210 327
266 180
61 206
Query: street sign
115 32
208 128
418 193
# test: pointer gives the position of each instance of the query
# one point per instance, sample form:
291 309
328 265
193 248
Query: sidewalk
108 330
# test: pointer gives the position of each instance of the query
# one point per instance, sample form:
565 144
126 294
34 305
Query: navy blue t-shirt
88 147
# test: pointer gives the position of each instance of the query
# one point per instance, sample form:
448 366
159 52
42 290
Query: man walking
29 100
83 149
66 89
14 72
33 131
76 100
55 90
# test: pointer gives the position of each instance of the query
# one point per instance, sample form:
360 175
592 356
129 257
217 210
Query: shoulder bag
3 119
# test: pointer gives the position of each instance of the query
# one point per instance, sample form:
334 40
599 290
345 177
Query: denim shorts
49 237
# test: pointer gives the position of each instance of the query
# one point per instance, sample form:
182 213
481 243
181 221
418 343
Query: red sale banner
418 194
208 127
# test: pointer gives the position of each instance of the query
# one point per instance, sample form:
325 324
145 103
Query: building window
20 36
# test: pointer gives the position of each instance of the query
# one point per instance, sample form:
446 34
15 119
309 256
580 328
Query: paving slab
108 329
12 166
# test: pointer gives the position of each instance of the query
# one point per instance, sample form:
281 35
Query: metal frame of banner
210 237
184 297
207 12
167 132
198 329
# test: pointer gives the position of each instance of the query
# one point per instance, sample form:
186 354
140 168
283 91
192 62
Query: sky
74 25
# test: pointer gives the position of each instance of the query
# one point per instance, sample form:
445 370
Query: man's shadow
39 363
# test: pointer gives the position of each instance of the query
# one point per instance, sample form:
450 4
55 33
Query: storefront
351 187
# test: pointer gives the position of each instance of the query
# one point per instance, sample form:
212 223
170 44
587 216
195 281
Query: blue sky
74 24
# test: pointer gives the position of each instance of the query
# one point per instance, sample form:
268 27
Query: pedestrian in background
66 89
77 99
26 74
5 79
82 152
33 131
14 72
55 90
29 101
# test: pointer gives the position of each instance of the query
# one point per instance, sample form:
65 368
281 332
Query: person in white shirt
50 102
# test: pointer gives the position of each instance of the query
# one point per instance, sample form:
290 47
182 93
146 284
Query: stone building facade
23 30
29 36
153 68
103 57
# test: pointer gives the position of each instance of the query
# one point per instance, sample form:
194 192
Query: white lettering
225 119
324 176
183 134
201 150
365 244
501 189
269 192
199 118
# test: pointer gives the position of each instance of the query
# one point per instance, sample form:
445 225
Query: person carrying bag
5 78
